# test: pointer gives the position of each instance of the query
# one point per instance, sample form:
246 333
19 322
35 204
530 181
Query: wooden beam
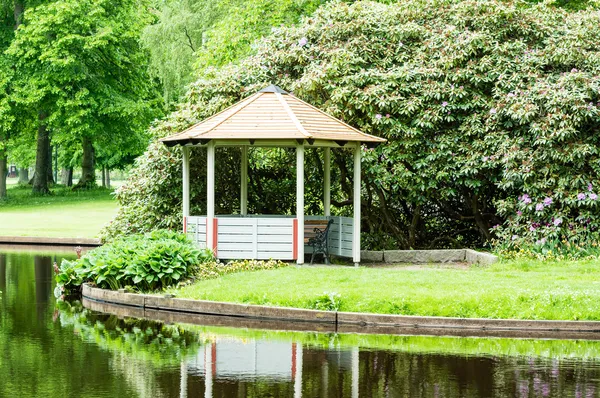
327 181
356 205
244 182
300 201
186 181
210 195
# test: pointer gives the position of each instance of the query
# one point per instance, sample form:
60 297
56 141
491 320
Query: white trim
210 194
300 201
356 205
292 116
327 181
186 181
244 182
281 143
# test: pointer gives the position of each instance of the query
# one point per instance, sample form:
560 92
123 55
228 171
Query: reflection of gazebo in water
271 118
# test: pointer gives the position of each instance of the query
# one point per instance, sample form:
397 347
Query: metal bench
316 234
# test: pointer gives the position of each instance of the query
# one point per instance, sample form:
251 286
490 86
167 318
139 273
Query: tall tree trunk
64 176
70 177
50 169
107 178
3 164
19 9
23 175
88 171
40 177
103 177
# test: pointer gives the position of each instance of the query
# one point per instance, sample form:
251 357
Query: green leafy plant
148 262
328 301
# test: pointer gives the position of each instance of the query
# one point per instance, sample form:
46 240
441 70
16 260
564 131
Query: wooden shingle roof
271 114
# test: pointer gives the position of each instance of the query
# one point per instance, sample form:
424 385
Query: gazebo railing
263 237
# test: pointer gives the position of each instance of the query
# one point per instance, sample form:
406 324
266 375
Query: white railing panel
196 230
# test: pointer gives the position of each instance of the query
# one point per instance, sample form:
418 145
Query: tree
481 101
80 68
189 36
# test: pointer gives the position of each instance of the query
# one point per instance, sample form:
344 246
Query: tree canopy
482 102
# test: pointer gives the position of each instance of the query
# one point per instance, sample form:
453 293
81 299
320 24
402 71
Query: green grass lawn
518 290
65 213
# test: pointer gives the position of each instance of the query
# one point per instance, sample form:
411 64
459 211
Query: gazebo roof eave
272 142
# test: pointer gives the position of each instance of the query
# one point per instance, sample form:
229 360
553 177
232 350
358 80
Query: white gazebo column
186 181
327 181
244 182
210 195
300 201
356 205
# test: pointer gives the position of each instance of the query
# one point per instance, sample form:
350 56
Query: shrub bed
145 262
215 269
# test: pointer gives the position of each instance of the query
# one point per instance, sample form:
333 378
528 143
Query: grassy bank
65 213
518 290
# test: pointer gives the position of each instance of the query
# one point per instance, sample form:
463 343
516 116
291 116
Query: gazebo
271 118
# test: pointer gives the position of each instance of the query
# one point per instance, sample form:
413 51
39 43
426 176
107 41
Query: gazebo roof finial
273 89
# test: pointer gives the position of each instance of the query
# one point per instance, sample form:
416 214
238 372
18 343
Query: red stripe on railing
213 348
184 224
295 239
215 234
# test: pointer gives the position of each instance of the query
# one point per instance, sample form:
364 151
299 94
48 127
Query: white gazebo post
300 200
244 182
186 183
210 195
327 182
356 205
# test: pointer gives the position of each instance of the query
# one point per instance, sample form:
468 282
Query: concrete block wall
428 256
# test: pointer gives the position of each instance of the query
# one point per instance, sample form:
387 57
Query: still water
60 349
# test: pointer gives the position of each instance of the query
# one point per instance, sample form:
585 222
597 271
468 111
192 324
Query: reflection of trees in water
147 354
43 284
156 360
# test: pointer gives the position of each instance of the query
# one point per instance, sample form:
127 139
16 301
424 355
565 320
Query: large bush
143 262
482 102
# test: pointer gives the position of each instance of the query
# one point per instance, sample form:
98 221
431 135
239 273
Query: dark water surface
50 349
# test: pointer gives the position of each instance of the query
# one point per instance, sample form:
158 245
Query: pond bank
47 241
230 314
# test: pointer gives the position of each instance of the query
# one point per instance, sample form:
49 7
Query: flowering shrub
146 262
482 103
215 269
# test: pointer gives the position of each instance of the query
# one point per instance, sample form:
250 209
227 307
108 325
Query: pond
61 349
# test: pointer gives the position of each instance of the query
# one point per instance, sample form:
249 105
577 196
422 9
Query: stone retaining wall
281 318
428 256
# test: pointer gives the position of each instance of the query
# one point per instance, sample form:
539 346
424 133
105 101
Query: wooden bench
316 233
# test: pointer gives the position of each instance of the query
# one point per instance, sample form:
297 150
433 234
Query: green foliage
211 270
481 101
79 69
146 262
328 302
157 343
191 35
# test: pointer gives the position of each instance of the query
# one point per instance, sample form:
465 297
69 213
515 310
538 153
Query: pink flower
593 196
547 201
590 187
532 228
519 213
444 104
539 207
581 196
387 115
557 222
302 42
378 116
525 199
515 237
493 111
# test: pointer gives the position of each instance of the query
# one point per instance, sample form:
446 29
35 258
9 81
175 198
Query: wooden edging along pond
45 241
211 313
